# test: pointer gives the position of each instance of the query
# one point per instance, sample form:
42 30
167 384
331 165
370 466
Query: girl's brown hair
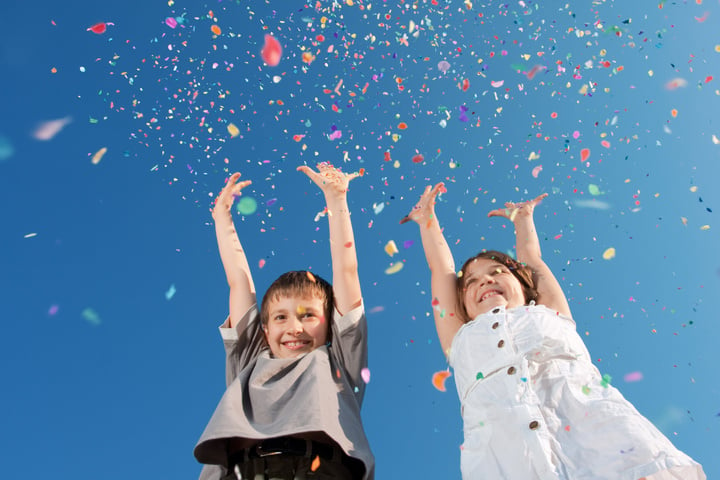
521 271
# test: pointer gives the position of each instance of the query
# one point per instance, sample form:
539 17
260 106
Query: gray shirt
320 391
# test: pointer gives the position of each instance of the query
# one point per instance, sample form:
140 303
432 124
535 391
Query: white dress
535 407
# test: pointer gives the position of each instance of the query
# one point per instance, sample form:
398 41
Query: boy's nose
297 326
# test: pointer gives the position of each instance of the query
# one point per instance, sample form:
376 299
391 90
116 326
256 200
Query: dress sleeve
242 343
349 346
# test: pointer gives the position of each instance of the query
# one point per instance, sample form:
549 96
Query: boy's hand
330 179
226 197
514 210
424 210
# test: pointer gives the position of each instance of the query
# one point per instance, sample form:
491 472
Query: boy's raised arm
334 185
237 270
442 266
550 293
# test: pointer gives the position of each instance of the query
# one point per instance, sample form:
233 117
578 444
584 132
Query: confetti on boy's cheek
365 374
439 378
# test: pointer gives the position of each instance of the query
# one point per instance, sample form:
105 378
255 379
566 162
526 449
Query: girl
294 370
533 404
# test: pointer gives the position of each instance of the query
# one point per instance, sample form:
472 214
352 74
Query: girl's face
296 325
489 284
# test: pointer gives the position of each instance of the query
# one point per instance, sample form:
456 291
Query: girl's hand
330 179
424 210
514 210
226 197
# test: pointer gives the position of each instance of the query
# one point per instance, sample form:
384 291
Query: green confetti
479 376
606 380
247 206
594 189
586 390
91 316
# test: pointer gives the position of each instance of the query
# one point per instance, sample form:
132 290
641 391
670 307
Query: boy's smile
296 325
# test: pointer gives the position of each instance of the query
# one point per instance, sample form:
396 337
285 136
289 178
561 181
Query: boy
293 370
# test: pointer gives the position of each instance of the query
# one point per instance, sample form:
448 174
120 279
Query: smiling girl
533 404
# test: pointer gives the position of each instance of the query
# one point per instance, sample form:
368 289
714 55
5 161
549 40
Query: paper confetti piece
418 158
606 379
536 171
261 263
315 464
91 316
6 149
394 268
247 206
609 253
271 52
47 130
633 377
675 83
99 28
594 190
365 374
233 130
390 248
53 310
171 22
438 379
215 29
98 155
443 66
170 292
584 154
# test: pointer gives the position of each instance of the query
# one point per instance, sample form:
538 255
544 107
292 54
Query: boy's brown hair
521 271
298 283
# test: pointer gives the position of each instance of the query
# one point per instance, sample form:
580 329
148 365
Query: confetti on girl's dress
438 379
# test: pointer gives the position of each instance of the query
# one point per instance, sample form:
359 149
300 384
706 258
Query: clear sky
112 287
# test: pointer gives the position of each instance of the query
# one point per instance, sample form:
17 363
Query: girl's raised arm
442 266
237 270
550 293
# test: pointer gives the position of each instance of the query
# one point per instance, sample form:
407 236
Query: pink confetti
47 130
171 22
633 377
53 310
365 374
497 83
261 263
271 51
536 171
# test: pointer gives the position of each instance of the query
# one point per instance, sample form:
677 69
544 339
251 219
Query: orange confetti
315 463
361 171
216 30
418 158
402 125
584 154
438 379
271 52
311 277
308 57
673 112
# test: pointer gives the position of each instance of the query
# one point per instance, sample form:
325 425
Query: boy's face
296 325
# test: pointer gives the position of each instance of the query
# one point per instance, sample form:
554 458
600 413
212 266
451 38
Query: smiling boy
293 370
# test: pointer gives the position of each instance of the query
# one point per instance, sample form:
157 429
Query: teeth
294 344
488 294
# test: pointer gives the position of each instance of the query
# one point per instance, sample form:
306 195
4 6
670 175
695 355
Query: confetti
261 263
633 377
394 268
536 171
315 464
233 130
171 22
584 154
438 379
216 30
418 158
247 206
606 379
271 52
675 83
609 253
365 374
390 248
99 28
170 292
98 155
594 190
6 149
91 316
443 66
47 130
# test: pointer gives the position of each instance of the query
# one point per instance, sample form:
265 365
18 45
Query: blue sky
112 285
